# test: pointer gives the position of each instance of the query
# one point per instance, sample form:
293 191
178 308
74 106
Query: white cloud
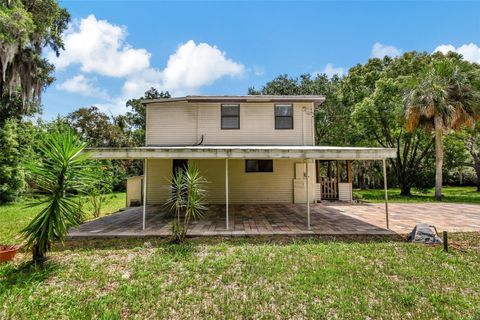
470 52
100 47
330 71
188 69
380 50
82 85
193 66
258 70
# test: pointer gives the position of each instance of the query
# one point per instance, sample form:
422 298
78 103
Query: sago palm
59 171
443 98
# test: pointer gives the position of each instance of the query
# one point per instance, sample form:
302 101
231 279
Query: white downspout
313 124
226 192
303 126
308 194
386 193
144 193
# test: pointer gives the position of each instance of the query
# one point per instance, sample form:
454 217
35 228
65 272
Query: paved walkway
277 219
453 217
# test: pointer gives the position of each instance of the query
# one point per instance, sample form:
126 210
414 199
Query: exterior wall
181 123
252 187
159 172
171 124
344 191
134 189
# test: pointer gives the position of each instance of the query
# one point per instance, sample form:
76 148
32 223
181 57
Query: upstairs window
258 165
230 116
283 116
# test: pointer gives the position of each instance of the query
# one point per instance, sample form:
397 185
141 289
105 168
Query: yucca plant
187 200
60 171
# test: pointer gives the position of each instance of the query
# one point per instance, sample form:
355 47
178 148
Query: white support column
308 194
386 192
226 192
144 192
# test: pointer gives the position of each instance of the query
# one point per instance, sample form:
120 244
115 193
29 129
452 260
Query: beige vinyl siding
184 124
159 171
252 187
134 189
344 191
171 124
261 187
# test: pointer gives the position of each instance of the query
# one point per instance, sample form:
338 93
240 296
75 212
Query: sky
116 50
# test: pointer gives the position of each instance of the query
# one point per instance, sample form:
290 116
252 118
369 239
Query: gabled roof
316 99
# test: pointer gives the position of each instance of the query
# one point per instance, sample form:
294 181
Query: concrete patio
334 218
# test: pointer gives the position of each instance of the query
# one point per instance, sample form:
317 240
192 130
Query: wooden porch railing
329 187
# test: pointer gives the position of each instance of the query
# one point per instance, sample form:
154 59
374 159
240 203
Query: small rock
147 245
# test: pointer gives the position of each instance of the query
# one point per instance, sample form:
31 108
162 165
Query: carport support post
226 191
308 194
144 192
386 191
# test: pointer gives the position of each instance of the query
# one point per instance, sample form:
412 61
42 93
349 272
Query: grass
14 217
450 194
255 278
356 278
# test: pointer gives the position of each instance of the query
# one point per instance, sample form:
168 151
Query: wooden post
386 192
144 193
349 171
226 192
445 241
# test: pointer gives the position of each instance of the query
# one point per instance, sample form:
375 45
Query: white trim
386 192
316 99
308 193
226 193
244 152
144 193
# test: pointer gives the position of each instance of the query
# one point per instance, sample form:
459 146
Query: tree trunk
361 180
438 157
471 147
405 190
38 255
476 165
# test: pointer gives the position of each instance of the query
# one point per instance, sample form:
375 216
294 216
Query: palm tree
442 98
60 170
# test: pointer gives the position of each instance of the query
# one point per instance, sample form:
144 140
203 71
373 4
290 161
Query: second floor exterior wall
186 123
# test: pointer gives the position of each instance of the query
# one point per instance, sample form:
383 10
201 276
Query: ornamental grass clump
187 200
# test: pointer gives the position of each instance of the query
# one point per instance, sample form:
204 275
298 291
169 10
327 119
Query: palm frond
60 170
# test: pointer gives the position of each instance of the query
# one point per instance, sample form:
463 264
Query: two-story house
251 149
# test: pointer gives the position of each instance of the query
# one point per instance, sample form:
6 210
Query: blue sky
115 50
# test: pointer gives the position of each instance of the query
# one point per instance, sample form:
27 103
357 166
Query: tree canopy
367 107
26 28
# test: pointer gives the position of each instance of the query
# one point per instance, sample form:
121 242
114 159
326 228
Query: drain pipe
386 192
303 126
308 193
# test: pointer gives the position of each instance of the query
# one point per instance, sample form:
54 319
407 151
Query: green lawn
239 278
255 278
14 217
450 194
